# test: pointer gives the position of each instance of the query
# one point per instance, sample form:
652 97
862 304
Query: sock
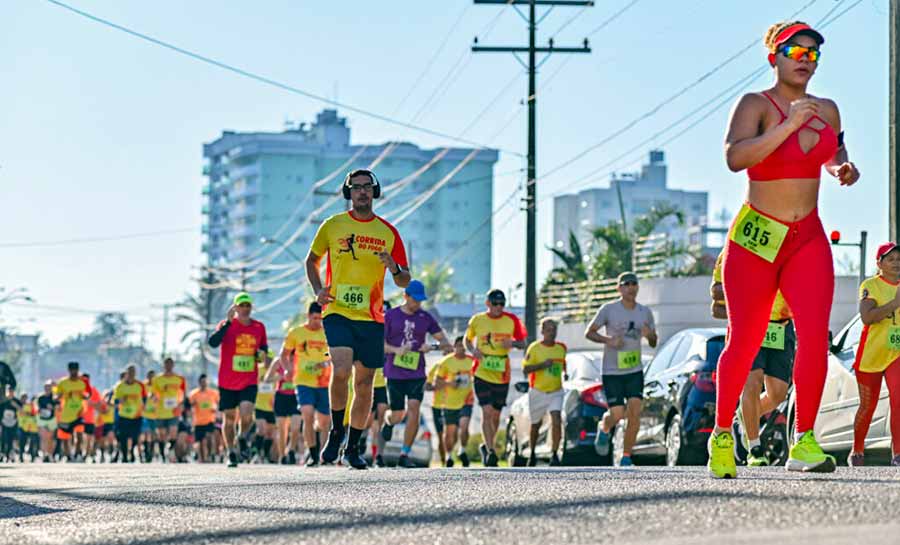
337 420
753 443
267 448
405 450
258 444
353 439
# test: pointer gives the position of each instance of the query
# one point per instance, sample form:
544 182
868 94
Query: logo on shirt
409 330
245 345
347 245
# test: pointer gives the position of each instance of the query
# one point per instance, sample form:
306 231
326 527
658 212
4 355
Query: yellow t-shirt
458 372
130 398
169 393
780 309
310 348
546 380
265 392
354 270
150 402
879 345
27 418
73 394
490 334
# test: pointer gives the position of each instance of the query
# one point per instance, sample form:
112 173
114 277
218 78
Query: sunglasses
363 187
498 303
797 52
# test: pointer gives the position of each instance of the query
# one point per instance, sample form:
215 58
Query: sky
101 133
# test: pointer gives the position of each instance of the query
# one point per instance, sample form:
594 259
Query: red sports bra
789 161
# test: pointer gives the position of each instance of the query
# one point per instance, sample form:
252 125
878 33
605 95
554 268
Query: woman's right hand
800 111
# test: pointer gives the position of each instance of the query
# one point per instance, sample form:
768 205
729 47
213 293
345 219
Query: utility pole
207 317
165 336
531 188
894 121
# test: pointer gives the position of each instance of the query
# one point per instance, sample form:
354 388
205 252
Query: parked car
422 449
679 400
584 404
840 399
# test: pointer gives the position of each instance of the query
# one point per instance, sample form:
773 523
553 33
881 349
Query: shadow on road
14 509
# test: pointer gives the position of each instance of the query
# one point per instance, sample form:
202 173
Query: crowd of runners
356 368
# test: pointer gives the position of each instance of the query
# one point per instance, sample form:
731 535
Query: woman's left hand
847 173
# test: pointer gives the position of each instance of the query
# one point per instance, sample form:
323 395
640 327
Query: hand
616 342
402 349
847 173
425 348
324 296
548 364
647 331
507 343
447 348
232 313
800 112
388 262
479 356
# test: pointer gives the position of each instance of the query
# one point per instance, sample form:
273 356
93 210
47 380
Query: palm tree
198 312
573 268
615 247
437 279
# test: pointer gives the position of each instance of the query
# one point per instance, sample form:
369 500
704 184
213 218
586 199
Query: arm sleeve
519 332
320 241
529 356
398 253
264 340
864 291
602 317
215 340
470 330
434 327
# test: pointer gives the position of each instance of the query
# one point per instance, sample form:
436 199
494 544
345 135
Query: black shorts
230 399
129 428
268 416
89 429
451 416
365 338
398 391
466 411
619 388
69 427
438 416
285 405
379 397
200 432
778 363
491 394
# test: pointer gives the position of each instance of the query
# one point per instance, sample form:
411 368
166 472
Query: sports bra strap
783 117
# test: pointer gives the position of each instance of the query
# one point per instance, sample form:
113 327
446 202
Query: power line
270 81
88 240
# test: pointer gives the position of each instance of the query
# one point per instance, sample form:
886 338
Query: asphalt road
157 504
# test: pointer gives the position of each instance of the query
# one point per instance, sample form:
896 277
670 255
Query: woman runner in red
782 137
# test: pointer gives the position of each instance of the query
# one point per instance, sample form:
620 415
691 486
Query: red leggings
869 391
804 272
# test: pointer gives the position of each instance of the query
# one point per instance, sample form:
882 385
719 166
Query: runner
244 344
148 424
361 247
108 449
264 410
878 354
465 417
545 366
28 430
376 417
9 423
91 404
489 338
204 402
771 367
405 331
626 322
438 404
169 390
452 382
72 392
130 396
782 137
47 405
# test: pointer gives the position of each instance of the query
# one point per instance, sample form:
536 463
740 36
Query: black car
584 404
679 400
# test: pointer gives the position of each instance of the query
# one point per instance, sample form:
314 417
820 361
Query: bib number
555 370
287 385
761 235
205 405
74 404
128 411
629 360
775 337
352 297
894 337
170 403
243 364
409 360
266 388
311 368
46 413
495 363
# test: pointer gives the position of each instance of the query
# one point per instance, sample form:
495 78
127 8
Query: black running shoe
353 459
311 459
404 462
463 458
482 448
554 461
232 459
449 462
387 432
332 446
292 458
491 459
379 461
532 461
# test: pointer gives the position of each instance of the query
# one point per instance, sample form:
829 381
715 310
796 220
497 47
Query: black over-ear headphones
345 188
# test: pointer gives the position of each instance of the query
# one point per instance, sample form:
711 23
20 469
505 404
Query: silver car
422 450
834 423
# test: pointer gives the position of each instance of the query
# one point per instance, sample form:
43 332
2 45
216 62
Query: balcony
204 228
205 209
241 211
205 190
206 169
243 191
236 172
243 231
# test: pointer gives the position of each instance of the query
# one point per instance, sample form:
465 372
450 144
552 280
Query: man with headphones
360 247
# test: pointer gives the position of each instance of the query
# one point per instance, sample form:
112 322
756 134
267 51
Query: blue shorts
365 338
148 425
317 397
166 422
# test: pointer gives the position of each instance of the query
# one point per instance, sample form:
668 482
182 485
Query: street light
267 240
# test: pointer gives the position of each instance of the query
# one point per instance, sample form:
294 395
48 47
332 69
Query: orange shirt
203 406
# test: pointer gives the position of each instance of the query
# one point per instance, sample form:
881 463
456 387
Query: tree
199 313
112 326
573 268
437 279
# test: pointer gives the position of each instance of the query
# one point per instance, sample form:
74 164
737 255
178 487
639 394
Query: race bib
352 297
9 415
73 404
266 388
555 370
630 359
759 234
206 405
462 381
494 363
409 360
774 337
311 368
169 403
128 411
243 364
287 385
45 413
894 337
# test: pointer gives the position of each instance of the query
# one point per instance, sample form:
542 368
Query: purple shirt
401 328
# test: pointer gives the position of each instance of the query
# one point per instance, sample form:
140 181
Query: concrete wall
681 303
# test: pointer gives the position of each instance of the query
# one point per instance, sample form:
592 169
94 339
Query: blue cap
416 290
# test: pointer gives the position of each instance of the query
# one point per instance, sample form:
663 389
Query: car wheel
674 442
513 452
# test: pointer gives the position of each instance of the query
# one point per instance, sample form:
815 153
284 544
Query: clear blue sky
101 133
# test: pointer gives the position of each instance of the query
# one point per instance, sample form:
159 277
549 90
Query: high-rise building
631 194
283 184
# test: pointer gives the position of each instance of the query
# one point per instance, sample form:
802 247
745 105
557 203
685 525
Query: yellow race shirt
354 270
550 379
28 418
458 372
265 392
879 345
780 309
150 402
169 392
310 349
73 392
490 334
130 398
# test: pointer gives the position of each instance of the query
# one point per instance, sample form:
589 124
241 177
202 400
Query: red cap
793 30
885 249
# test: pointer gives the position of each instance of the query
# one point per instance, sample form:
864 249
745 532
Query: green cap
242 298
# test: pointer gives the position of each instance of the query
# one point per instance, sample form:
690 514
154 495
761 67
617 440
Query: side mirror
521 387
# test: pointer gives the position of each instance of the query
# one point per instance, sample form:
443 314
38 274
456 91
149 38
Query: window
663 356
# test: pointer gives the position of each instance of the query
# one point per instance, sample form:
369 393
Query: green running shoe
757 459
807 456
721 456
